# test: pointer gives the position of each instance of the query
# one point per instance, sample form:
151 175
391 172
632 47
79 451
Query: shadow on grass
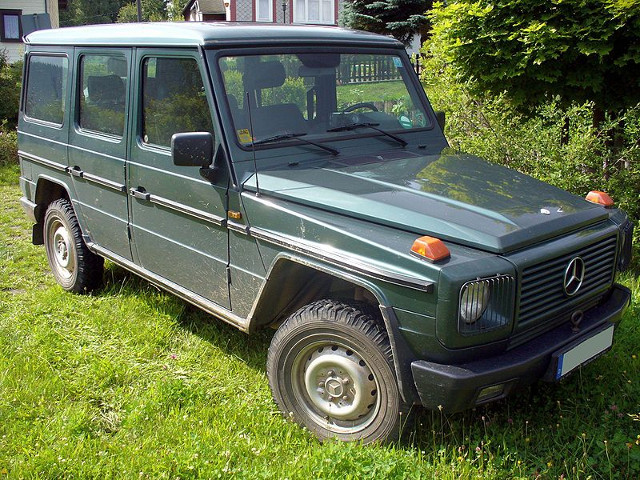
252 349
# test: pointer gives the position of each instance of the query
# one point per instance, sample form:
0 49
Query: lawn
131 382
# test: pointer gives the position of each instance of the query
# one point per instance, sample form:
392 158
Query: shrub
556 144
8 145
10 82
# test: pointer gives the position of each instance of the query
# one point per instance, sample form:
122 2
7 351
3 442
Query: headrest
266 75
106 89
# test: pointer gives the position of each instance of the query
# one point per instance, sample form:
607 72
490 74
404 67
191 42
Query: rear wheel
74 266
330 368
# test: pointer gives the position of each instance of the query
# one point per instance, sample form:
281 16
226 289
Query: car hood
457 198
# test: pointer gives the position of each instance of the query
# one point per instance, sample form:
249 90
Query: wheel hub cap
62 248
334 387
62 251
339 383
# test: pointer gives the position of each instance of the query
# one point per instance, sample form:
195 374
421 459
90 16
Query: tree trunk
564 134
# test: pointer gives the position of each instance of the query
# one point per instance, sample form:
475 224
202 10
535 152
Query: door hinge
228 275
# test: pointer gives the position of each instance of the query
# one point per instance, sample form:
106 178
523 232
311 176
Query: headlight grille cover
486 304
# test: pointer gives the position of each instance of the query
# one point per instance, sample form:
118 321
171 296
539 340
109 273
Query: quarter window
46 88
173 99
103 80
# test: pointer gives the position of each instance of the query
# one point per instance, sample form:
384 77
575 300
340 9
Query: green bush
10 82
8 145
556 144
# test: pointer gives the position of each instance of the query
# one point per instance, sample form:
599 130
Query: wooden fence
374 70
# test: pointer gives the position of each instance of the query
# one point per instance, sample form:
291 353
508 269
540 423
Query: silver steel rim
336 387
62 250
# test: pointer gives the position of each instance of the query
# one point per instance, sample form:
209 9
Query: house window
11 28
314 11
264 10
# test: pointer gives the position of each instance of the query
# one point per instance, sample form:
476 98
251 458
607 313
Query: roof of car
203 33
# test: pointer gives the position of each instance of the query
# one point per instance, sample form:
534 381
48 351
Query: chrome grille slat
541 293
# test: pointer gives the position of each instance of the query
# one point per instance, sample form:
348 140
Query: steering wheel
356 106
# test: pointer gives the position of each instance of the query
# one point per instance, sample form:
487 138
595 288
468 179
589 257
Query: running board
193 298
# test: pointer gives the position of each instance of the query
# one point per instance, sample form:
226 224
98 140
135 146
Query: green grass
133 383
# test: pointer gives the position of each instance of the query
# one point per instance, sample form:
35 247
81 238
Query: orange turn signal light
430 248
596 196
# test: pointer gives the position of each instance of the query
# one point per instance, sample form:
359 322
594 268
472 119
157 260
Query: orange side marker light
601 198
431 248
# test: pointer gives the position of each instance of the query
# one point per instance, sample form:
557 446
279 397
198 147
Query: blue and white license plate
584 352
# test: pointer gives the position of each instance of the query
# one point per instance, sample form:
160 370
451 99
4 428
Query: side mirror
440 118
192 149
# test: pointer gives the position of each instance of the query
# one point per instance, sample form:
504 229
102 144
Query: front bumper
454 388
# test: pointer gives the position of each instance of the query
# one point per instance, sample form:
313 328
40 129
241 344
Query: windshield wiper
373 126
286 136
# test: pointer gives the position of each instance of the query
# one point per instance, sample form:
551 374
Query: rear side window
46 88
174 99
103 83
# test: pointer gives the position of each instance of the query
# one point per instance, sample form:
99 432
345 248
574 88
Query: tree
89 12
586 50
152 11
400 18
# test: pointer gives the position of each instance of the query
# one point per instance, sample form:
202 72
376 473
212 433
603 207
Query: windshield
321 95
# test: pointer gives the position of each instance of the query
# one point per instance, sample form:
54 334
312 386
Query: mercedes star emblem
573 276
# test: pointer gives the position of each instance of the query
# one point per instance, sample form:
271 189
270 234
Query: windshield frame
408 77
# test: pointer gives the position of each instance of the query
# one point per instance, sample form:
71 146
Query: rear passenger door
177 217
98 145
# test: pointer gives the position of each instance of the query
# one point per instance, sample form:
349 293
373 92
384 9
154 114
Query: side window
46 88
103 80
173 99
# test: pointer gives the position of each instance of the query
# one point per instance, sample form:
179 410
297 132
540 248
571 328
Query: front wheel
330 368
75 268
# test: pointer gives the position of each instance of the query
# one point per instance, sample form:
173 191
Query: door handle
76 171
140 194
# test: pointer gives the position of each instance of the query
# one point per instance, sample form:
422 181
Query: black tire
330 368
74 266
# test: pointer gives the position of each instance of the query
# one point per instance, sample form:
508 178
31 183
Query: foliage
10 82
131 382
152 11
90 12
579 51
493 128
8 145
400 18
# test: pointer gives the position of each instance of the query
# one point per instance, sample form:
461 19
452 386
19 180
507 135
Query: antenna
253 145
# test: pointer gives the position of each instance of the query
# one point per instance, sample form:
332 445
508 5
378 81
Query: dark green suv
297 178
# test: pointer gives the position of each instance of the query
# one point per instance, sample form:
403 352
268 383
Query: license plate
584 352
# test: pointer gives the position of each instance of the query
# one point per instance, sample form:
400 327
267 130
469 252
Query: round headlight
474 299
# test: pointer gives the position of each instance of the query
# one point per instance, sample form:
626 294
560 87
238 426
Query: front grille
542 293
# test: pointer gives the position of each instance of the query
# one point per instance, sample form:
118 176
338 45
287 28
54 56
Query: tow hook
576 318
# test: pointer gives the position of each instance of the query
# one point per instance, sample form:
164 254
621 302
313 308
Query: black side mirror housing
192 149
